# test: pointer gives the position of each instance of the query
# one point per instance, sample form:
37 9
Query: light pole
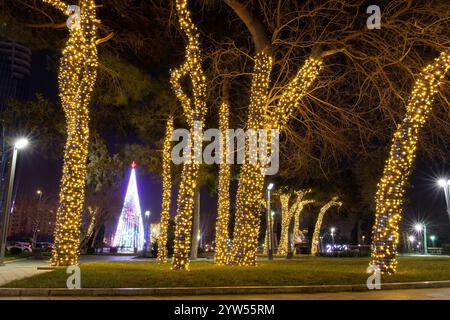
432 238
445 184
148 245
37 222
333 229
18 145
411 240
269 224
419 228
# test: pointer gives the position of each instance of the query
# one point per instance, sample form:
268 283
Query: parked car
18 247
44 246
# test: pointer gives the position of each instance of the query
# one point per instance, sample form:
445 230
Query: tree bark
253 25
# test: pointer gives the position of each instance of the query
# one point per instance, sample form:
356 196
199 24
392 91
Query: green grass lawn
301 271
10 257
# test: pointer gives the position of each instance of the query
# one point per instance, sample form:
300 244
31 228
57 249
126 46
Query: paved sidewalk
410 294
16 270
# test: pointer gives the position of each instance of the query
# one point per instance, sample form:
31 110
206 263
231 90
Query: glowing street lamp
19 144
148 242
419 228
432 238
333 229
269 224
445 184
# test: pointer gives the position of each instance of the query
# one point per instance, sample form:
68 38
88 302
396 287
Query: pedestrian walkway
16 270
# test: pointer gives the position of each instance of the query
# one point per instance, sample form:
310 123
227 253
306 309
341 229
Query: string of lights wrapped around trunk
76 79
251 179
223 210
287 213
316 235
167 192
285 222
392 186
194 110
297 215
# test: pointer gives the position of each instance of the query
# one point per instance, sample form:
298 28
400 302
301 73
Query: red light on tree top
133 164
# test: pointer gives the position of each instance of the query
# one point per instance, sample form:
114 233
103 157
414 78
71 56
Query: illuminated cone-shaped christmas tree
130 229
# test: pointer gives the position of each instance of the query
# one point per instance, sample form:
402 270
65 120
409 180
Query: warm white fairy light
251 179
76 79
194 110
223 210
391 188
167 192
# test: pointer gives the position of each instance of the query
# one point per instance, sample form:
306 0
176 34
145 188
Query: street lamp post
19 144
419 228
36 226
148 245
445 184
332 235
269 224
411 240
432 238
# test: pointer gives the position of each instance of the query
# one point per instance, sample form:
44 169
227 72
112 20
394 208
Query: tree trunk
196 225
253 25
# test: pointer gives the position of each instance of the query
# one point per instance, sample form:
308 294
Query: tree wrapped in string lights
262 116
194 109
287 213
315 239
76 79
223 210
391 188
297 216
167 192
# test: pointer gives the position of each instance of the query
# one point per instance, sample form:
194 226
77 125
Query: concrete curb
181 291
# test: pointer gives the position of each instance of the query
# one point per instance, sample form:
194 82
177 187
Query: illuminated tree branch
391 188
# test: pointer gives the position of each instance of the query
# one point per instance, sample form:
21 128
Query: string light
391 188
294 92
194 111
167 192
76 79
223 210
323 210
251 180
